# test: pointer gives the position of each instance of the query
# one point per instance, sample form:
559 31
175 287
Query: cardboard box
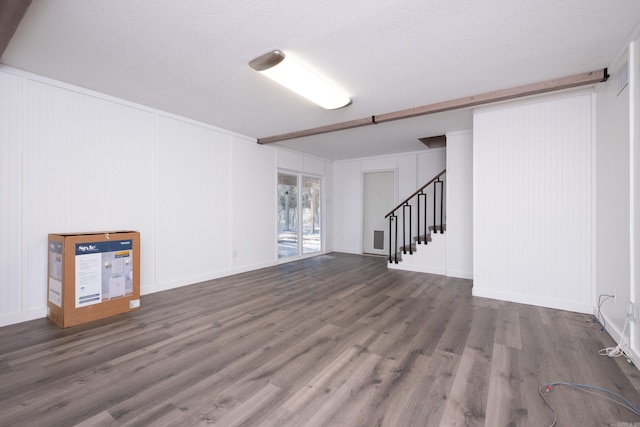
92 276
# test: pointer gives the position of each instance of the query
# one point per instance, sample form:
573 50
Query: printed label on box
55 272
55 291
104 270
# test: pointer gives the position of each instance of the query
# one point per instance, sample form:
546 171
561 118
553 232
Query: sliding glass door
287 215
310 215
302 224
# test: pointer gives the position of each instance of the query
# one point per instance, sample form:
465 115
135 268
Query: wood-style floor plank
335 340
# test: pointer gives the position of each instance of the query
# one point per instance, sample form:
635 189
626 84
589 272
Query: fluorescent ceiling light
284 70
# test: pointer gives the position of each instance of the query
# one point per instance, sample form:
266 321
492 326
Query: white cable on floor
622 349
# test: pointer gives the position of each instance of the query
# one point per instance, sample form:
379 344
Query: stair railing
421 199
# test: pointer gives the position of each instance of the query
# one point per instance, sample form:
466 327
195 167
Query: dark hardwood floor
336 340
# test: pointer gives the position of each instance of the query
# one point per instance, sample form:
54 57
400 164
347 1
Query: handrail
416 192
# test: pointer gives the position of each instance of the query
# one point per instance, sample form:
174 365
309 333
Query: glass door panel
287 215
311 220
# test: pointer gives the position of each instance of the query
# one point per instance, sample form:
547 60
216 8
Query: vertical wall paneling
347 207
459 201
87 168
73 160
532 203
612 242
433 160
291 160
193 198
407 175
634 151
254 179
313 165
327 200
11 106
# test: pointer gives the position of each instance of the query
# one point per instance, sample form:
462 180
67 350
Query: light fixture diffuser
290 74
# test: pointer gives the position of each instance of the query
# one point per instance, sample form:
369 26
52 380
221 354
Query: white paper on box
55 272
104 270
88 279
55 291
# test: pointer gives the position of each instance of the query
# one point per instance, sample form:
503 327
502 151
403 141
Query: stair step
419 239
414 246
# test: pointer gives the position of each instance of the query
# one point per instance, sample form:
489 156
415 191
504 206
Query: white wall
612 198
348 191
618 197
88 165
346 208
532 166
459 196
12 298
634 156
193 170
72 160
253 210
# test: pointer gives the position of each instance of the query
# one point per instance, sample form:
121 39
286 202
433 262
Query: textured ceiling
190 57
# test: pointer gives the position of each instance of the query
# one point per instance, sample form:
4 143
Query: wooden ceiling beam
576 80
319 130
11 13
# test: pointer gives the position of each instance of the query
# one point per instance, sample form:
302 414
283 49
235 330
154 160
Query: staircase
418 243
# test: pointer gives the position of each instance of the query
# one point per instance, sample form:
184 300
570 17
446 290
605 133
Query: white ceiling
191 57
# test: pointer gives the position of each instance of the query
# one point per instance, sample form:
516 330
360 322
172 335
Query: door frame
363 206
300 175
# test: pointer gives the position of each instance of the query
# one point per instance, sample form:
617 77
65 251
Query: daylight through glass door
294 224
310 215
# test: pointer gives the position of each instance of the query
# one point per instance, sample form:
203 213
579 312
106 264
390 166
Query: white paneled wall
347 207
634 156
533 221
459 197
193 171
86 164
11 107
612 198
73 160
254 209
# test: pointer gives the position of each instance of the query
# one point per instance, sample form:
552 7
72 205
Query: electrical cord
622 349
600 302
590 389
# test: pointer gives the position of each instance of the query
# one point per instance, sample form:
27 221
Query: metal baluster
410 236
390 245
441 204
404 232
418 212
406 228
396 242
435 196
424 220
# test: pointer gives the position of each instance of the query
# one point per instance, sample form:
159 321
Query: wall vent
378 239
622 78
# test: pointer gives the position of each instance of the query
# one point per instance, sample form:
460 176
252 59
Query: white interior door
378 201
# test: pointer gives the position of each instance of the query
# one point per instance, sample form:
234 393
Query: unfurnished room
336 213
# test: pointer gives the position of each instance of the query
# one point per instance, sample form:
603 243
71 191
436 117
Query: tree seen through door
293 223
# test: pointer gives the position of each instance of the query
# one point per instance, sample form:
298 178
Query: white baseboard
12 319
417 268
532 300
460 274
